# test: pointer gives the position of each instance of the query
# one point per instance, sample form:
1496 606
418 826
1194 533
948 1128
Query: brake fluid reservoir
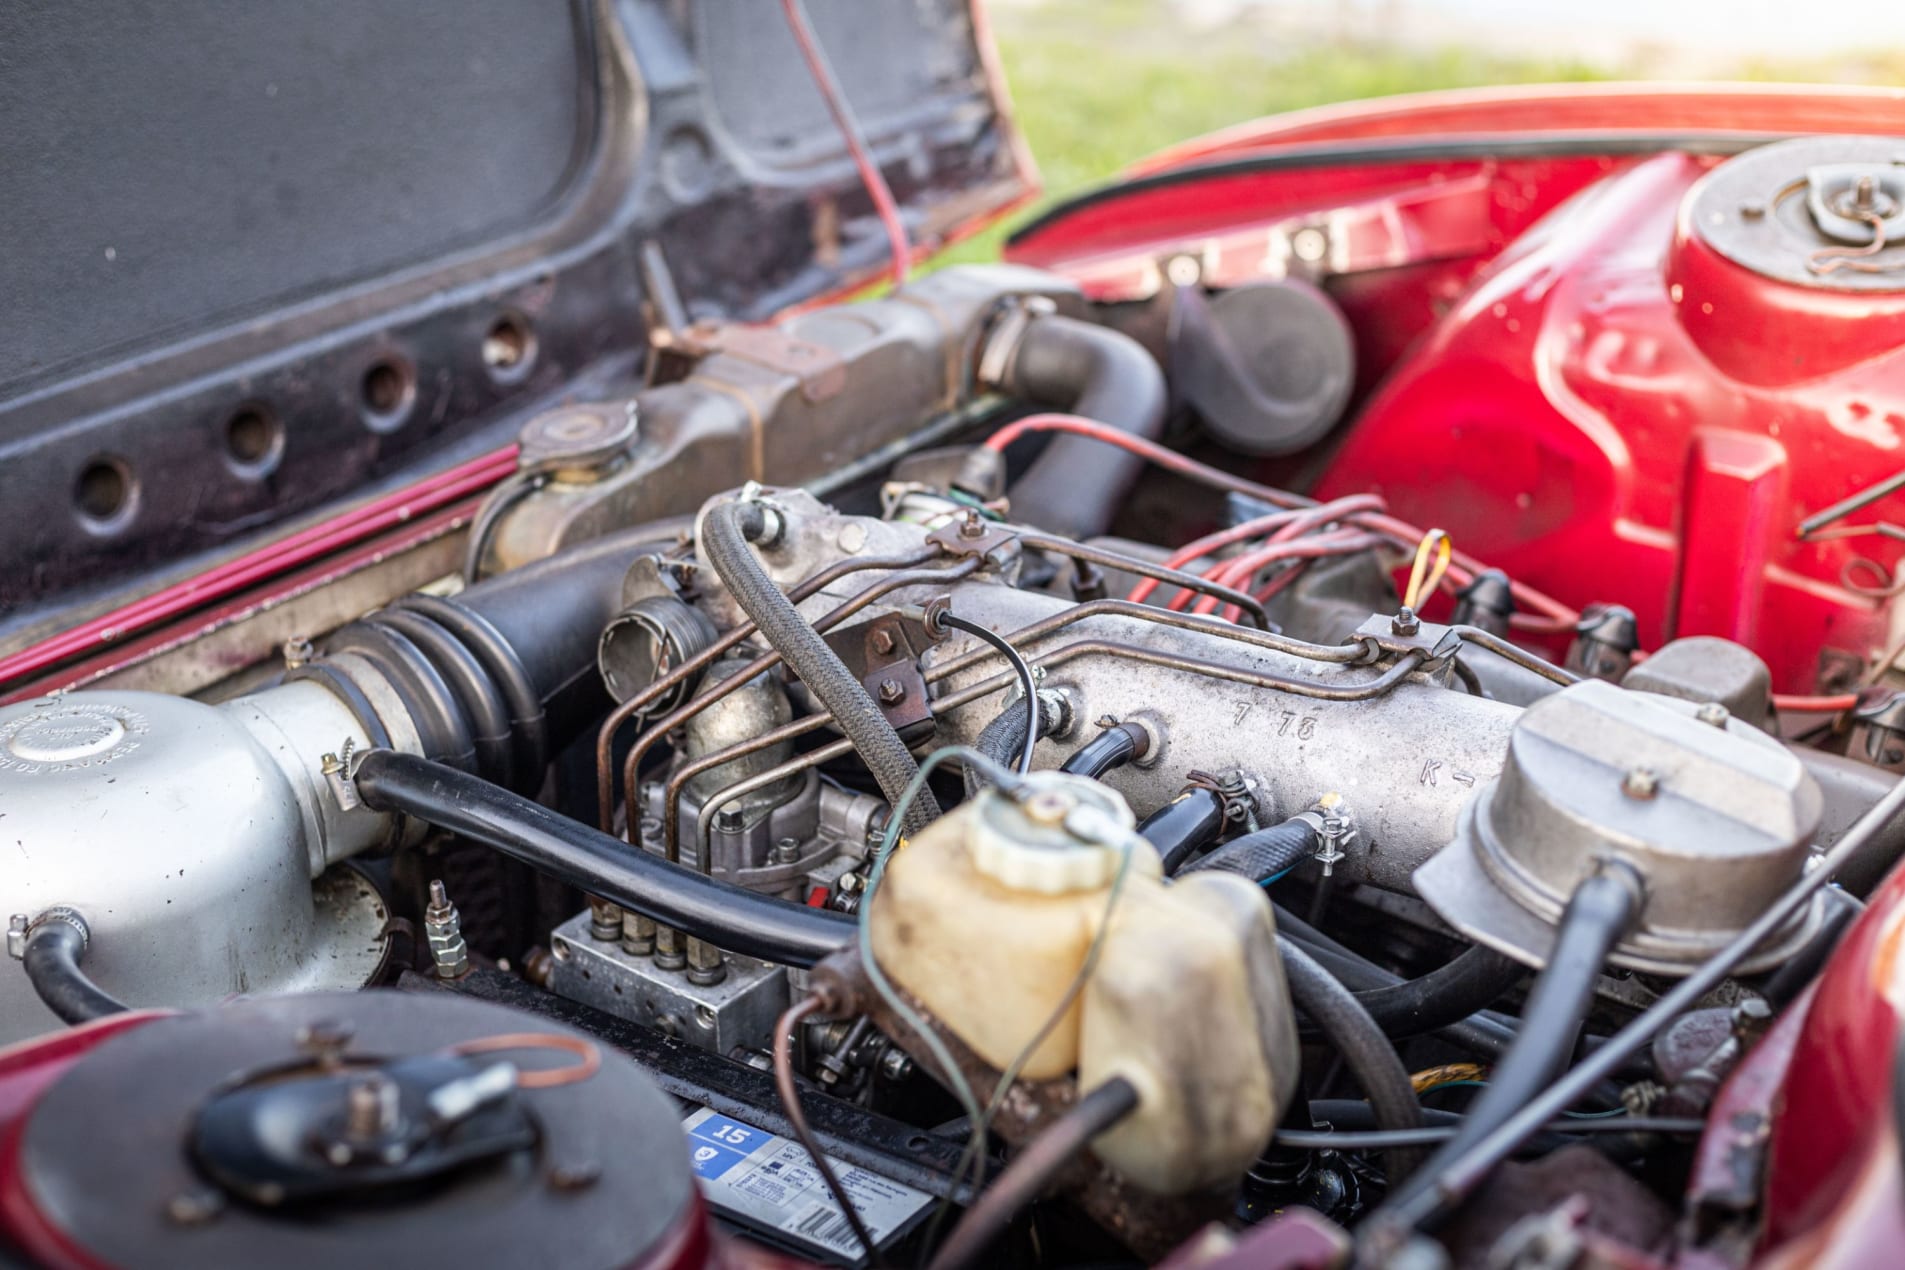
1189 1003
988 915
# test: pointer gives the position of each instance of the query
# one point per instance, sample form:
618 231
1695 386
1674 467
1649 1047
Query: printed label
763 1179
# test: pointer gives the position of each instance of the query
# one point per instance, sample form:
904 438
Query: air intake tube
494 680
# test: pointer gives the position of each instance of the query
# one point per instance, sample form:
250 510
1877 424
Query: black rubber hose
1032 1171
1001 740
527 727
551 614
55 949
1363 1047
1599 913
1184 826
1109 750
464 676
1474 980
1075 486
504 675
729 917
726 530
1784 985
1263 855
442 724
1028 710
1478 1033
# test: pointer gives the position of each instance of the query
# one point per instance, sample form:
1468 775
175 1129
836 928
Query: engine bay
1044 766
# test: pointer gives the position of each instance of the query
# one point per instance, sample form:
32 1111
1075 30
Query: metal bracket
820 370
1404 633
973 535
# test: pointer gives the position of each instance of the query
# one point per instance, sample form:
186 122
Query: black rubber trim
1296 158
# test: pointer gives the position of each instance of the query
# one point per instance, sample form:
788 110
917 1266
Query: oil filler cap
1058 834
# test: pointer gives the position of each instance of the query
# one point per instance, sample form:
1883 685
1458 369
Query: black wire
1431 1135
1019 664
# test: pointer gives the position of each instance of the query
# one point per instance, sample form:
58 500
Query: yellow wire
1422 585
1447 1074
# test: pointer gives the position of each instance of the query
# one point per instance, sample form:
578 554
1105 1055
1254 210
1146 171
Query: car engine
1057 763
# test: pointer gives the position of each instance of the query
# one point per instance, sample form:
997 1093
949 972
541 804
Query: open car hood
265 262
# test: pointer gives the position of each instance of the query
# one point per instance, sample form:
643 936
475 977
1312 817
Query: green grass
1101 83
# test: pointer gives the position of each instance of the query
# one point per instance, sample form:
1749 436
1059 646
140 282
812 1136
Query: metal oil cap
1059 834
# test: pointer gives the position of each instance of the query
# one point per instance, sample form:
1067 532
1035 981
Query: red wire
870 175
1814 705
1550 615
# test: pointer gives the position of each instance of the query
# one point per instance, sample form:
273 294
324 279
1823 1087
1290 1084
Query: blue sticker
711 1161
731 1134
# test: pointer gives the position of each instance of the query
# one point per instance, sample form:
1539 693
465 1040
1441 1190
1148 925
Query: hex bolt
325 1040
669 951
638 934
1713 713
729 820
892 692
296 651
895 1064
1404 622
371 1107
443 932
706 965
972 524
787 851
605 920
882 641
1640 782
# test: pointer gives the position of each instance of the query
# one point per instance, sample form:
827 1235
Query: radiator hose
1075 486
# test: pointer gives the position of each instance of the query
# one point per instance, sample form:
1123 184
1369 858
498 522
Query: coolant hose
55 947
1264 855
726 530
1112 748
1075 486
1184 826
1002 739
1472 981
727 916
1363 1047
1599 914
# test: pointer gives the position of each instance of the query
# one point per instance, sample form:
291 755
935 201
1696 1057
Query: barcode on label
830 1227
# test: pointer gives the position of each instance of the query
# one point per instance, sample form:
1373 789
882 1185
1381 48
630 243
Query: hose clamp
1001 348
58 913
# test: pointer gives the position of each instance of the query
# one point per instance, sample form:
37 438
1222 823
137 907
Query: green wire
973 1158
